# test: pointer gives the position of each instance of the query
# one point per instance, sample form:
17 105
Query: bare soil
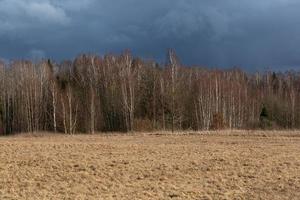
221 165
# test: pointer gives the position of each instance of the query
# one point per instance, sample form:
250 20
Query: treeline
122 93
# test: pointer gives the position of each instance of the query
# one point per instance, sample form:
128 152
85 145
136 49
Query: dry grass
224 165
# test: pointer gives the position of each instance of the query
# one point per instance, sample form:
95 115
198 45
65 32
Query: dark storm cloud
253 34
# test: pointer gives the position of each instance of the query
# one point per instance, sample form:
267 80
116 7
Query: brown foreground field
225 165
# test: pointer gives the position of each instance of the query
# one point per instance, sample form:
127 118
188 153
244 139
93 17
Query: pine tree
265 122
264 113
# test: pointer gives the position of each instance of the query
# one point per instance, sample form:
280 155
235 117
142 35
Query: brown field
224 165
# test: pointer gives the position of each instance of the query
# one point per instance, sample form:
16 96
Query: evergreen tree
264 113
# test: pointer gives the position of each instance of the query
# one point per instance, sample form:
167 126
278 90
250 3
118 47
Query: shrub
265 122
142 125
217 122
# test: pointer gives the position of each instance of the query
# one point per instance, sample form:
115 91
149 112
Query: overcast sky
253 34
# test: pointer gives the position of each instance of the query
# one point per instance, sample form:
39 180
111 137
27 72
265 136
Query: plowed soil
221 165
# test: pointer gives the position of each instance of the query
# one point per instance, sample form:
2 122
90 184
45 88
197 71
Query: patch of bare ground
211 165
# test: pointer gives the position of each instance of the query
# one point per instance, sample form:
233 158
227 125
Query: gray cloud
37 54
17 15
253 34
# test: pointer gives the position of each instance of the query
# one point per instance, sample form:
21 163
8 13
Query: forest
123 93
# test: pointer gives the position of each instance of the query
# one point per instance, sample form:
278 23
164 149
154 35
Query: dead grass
209 165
